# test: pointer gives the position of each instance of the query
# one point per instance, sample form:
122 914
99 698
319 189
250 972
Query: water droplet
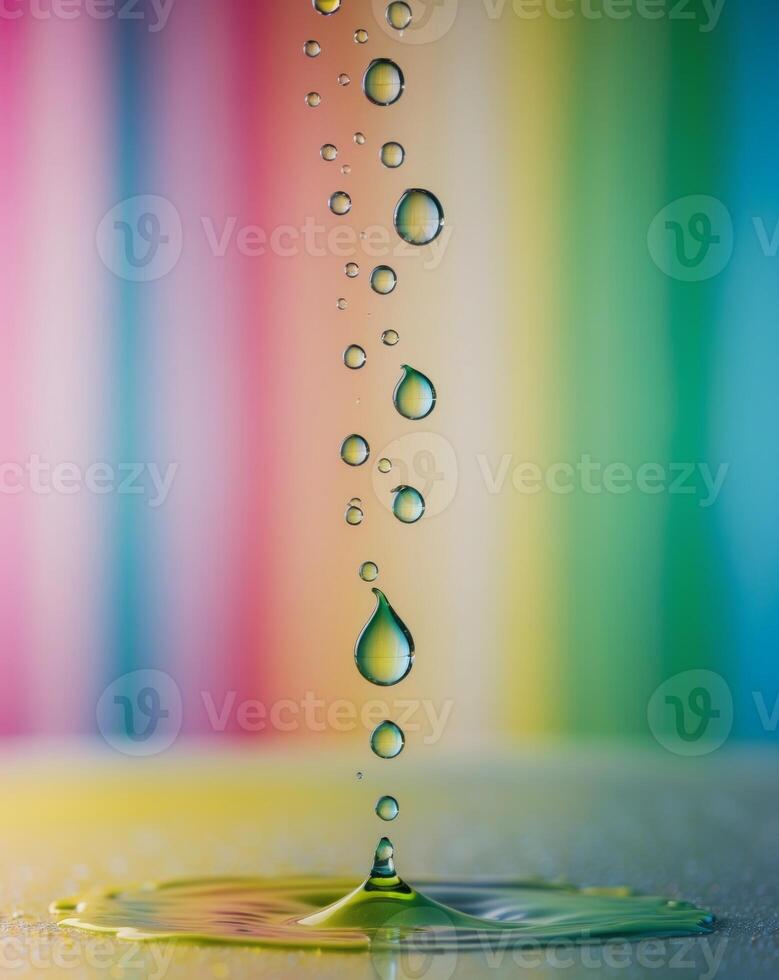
340 203
399 15
385 465
414 394
354 357
384 652
390 337
312 49
369 571
346 169
354 450
392 154
342 303
355 502
361 35
343 79
329 152
419 217
352 269
359 138
359 775
326 7
387 740
383 82
384 860
383 280
387 808
408 505
313 99
354 515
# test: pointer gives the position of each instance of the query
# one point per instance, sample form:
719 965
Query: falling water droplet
359 138
419 217
369 571
328 152
390 337
383 82
340 203
392 154
354 515
384 652
354 357
384 860
385 465
399 15
361 35
383 280
414 394
352 269
354 450
326 6
343 79
355 502
387 808
312 49
342 303
408 505
387 740
313 99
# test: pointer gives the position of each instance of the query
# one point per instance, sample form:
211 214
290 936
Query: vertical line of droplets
384 651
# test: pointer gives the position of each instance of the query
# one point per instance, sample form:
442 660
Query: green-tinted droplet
326 6
354 357
354 450
385 465
340 203
383 280
399 15
313 99
352 270
354 515
384 652
408 505
384 860
387 808
414 394
390 337
387 740
392 154
383 82
361 35
312 49
369 571
419 217
329 152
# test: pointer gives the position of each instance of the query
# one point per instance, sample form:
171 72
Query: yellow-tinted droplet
340 203
342 303
359 138
387 740
419 217
352 269
369 571
399 15
361 35
354 450
387 808
354 357
383 82
355 502
329 152
390 337
383 280
408 505
313 99
392 154
384 652
385 465
312 49
414 394
326 6
354 515
343 79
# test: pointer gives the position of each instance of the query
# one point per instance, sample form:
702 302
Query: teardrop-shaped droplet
352 270
360 35
383 82
383 280
354 357
385 465
384 652
414 394
419 217
354 515
329 152
384 860
392 154
369 571
408 505
326 6
387 740
390 337
340 203
399 15
387 808
312 49
354 450
313 99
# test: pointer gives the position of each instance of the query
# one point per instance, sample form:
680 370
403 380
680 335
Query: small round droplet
313 99
355 502
342 303
408 505
312 49
326 7
343 79
359 775
354 357
385 465
354 515
414 396
392 154
387 740
399 15
359 138
352 270
387 808
383 280
346 169
340 203
361 35
329 152
369 571
419 217
383 82
354 450
384 652
390 337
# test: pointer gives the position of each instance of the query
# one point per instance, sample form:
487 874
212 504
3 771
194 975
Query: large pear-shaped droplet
383 82
414 394
419 217
387 740
408 505
384 652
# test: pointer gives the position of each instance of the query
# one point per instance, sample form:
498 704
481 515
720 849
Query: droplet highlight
354 450
387 808
384 652
392 154
419 216
340 203
369 571
354 357
387 741
383 82
383 280
399 15
408 505
414 396
312 49
390 338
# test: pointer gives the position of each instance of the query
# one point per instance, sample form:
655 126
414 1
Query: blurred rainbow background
547 328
